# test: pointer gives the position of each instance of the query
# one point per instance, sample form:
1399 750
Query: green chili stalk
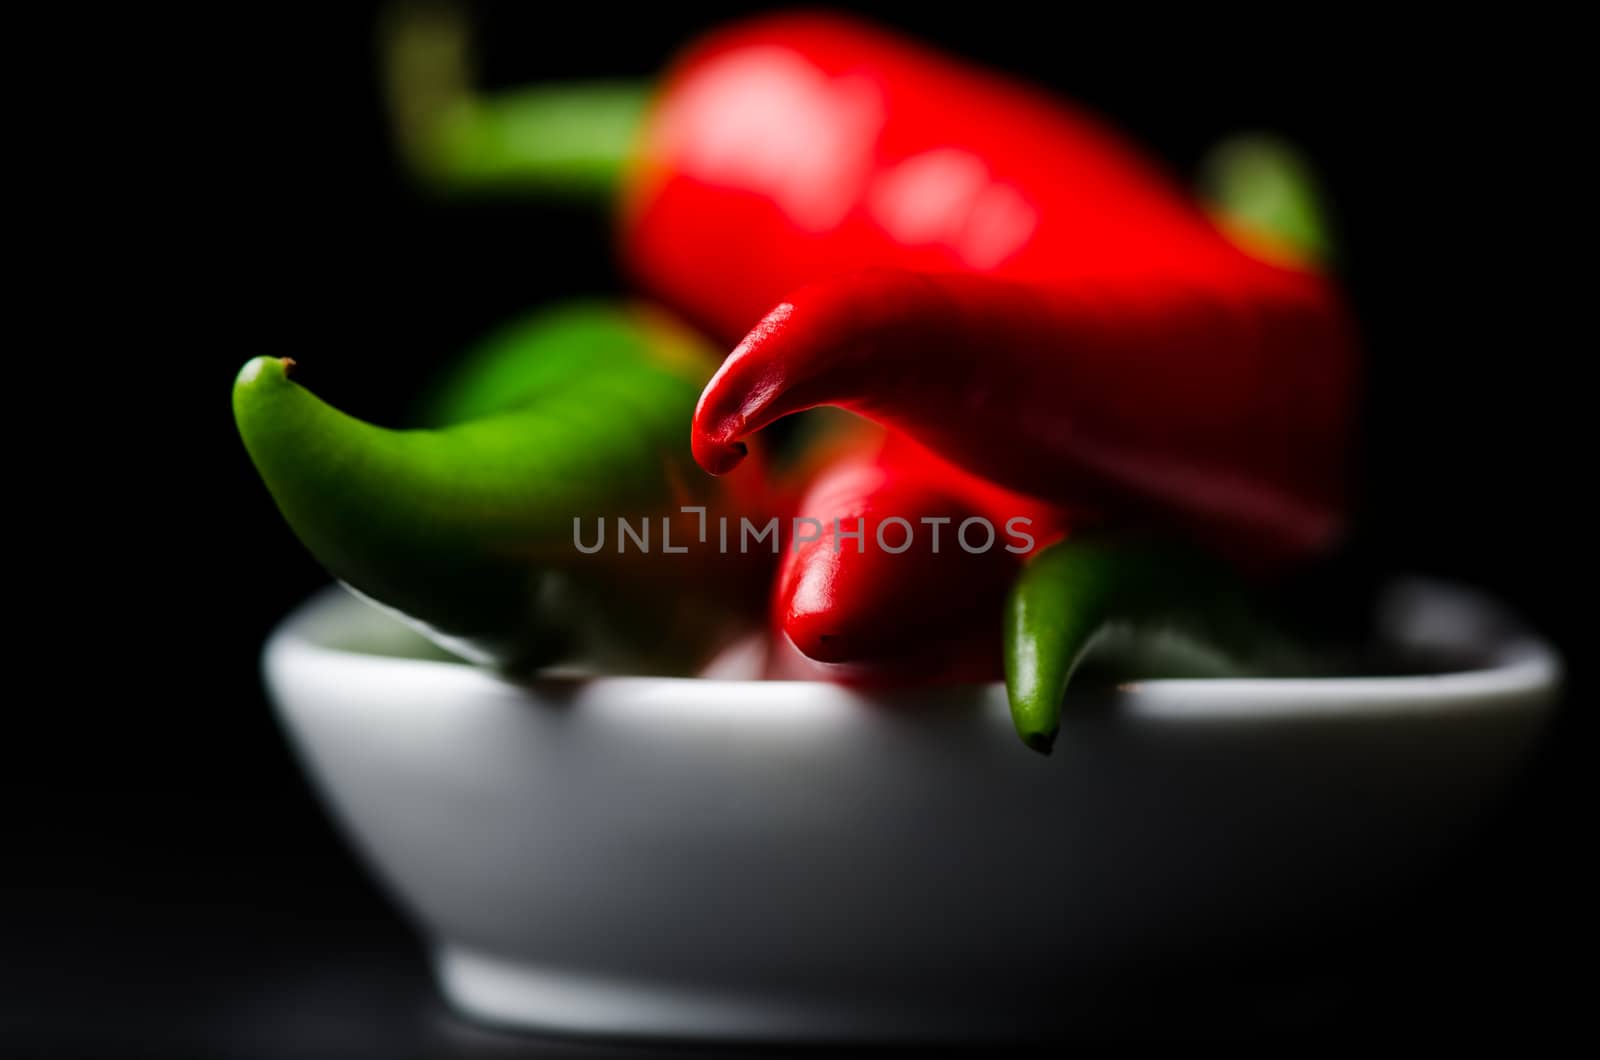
571 139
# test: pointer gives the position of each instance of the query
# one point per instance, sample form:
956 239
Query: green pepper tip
1043 742
263 369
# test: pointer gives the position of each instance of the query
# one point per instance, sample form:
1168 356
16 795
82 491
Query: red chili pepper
1224 413
904 565
788 148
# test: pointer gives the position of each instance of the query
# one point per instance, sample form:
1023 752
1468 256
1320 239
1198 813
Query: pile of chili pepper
1033 325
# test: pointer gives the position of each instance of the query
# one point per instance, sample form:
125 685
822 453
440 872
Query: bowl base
516 995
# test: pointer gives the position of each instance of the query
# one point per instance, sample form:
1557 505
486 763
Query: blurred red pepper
789 148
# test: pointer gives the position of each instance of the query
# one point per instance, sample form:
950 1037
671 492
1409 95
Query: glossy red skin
1199 413
794 150
920 615
792 147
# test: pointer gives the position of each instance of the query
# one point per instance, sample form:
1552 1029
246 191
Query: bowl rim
1521 671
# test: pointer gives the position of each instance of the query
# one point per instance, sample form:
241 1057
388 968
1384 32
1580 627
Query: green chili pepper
468 529
1076 590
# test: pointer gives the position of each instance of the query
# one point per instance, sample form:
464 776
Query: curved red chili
899 564
1223 413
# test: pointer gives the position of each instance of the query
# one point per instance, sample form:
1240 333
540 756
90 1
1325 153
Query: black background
171 882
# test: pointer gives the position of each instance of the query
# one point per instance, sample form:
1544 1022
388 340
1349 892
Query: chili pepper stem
571 139
1265 194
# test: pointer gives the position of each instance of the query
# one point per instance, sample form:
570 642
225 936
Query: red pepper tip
815 635
719 458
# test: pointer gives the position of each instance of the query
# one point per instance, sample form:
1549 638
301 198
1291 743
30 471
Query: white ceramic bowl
787 860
